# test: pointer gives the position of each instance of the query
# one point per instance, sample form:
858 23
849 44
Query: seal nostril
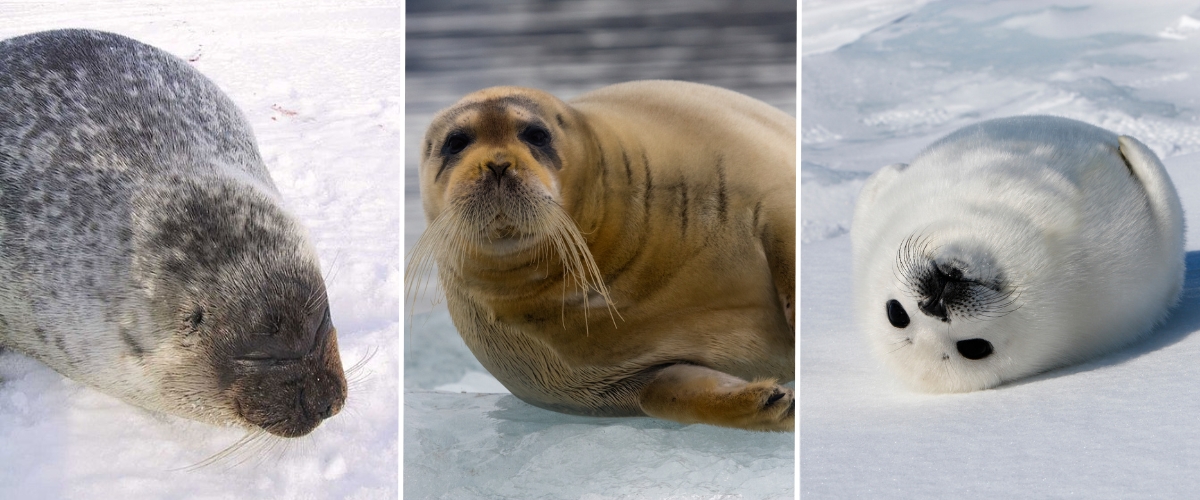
498 169
974 348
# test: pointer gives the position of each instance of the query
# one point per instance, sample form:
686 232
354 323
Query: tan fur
672 278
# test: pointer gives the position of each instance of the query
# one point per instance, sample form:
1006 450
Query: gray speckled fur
132 193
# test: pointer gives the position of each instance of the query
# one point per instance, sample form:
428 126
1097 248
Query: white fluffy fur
1090 249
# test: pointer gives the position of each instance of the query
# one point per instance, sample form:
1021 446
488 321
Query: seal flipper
1160 193
779 244
877 183
692 394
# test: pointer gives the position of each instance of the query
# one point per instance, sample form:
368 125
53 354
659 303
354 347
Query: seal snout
944 284
292 398
323 397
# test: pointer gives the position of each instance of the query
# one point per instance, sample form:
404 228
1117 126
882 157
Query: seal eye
896 314
535 136
974 348
455 143
196 318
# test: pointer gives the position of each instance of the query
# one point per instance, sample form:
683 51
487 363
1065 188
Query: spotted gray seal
143 247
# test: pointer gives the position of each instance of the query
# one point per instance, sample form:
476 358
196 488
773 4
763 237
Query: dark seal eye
896 314
196 318
455 143
974 348
535 136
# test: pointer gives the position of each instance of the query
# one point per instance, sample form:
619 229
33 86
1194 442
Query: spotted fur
143 249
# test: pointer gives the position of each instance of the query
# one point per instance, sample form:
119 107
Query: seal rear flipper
692 394
1161 195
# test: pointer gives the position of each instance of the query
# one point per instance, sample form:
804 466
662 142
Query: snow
320 82
1119 426
486 444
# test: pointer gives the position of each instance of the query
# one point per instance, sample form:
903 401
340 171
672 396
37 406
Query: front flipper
692 394
777 232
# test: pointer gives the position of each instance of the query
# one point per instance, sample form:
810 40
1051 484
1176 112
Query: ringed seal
143 247
1012 247
628 253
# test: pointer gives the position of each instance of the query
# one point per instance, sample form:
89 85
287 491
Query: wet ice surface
314 80
462 442
499 447
1120 426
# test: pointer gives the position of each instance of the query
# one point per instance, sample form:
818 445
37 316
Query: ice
474 381
1119 426
320 83
494 446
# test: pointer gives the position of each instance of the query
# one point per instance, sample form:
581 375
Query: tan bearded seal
629 253
1012 247
143 247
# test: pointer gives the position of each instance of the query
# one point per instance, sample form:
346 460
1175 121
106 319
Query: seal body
1014 246
628 253
143 249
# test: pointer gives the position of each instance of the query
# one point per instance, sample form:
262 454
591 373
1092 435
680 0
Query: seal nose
326 412
498 168
323 398
940 287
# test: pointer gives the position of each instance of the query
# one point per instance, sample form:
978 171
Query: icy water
495 444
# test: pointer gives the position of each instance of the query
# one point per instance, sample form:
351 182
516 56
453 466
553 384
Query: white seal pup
671 203
143 247
1012 247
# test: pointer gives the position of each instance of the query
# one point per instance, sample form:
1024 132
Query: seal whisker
238 448
357 374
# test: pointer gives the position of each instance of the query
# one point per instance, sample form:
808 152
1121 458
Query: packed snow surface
320 83
1123 425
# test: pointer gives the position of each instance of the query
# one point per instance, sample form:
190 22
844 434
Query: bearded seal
628 253
1012 247
143 247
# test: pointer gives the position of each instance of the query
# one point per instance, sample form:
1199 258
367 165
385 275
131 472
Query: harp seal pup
1012 247
630 252
144 250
